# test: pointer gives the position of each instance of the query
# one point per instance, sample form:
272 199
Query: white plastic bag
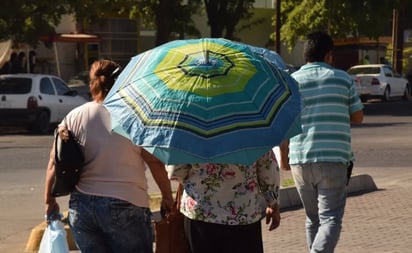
54 239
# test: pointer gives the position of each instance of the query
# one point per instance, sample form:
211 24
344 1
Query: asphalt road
382 146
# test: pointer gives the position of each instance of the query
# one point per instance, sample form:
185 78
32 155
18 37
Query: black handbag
68 164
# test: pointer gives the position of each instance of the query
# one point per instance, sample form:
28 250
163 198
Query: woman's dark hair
316 46
103 74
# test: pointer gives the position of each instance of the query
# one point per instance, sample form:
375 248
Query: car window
391 71
61 87
387 72
366 70
15 85
46 87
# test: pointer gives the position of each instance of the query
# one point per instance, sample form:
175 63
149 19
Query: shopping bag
54 239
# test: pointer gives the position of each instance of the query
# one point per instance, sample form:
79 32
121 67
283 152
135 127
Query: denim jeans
103 224
322 189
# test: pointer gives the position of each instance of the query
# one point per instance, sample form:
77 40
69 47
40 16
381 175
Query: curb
289 198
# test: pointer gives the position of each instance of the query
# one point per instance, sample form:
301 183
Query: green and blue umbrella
204 100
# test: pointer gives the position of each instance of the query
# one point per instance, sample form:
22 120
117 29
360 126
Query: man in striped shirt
320 155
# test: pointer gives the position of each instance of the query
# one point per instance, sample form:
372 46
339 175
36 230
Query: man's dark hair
316 46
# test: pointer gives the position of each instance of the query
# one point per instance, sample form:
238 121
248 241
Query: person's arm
157 168
356 117
178 172
273 216
284 155
51 205
269 184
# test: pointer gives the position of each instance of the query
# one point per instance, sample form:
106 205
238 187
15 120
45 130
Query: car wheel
364 98
42 123
407 94
387 94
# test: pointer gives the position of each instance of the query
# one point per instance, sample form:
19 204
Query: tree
340 18
224 15
165 16
26 20
170 16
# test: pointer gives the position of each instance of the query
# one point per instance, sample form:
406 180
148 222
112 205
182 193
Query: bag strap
56 136
179 193
56 133
64 122
178 197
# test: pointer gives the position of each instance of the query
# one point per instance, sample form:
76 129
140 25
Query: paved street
376 222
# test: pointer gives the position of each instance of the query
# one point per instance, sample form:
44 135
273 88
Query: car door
68 101
397 86
50 99
400 84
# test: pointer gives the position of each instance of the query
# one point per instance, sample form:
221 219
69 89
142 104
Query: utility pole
277 30
397 39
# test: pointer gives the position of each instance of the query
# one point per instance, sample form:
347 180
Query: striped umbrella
204 100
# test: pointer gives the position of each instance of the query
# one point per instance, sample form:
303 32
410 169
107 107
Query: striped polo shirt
329 97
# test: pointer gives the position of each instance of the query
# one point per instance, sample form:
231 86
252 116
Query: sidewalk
376 220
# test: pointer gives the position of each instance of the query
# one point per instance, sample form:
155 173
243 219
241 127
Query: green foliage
407 56
340 18
26 20
164 16
288 182
303 16
224 15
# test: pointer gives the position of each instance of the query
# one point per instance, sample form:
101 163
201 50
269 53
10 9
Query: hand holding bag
68 164
169 232
54 239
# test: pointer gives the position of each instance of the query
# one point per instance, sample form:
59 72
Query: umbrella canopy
204 100
270 56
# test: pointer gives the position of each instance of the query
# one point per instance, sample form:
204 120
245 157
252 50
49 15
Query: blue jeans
322 189
103 224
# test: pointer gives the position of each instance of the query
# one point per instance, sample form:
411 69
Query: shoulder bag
68 164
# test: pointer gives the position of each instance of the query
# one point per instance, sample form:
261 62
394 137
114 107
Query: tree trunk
163 21
215 10
233 19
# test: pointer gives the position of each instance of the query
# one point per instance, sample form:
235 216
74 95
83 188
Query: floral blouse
230 194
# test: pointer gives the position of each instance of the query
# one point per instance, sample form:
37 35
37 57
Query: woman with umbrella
212 109
109 208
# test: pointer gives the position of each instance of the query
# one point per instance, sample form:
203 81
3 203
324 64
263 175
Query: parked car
379 81
35 101
80 83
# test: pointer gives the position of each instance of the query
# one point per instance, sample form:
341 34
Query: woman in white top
109 209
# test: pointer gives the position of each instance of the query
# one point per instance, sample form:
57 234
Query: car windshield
15 85
365 70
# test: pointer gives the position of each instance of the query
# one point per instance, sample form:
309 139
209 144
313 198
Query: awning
71 37
5 51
